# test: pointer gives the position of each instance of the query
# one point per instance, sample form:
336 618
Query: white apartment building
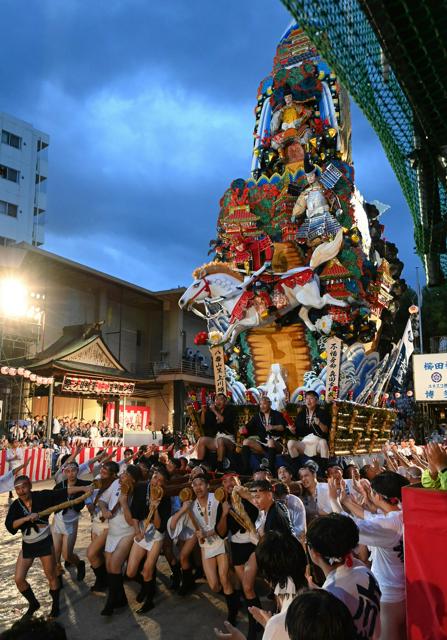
23 177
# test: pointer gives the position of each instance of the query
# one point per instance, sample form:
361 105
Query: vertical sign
333 350
219 369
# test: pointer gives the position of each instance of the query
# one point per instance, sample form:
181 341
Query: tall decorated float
302 283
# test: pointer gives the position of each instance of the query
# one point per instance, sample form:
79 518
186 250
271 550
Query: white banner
333 351
430 377
406 348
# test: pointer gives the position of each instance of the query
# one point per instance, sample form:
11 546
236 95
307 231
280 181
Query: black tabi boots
187 582
111 594
253 626
54 593
176 577
148 603
80 571
233 606
121 598
33 602
142 592
101 578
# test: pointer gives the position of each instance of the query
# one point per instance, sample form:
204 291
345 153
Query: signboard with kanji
430 377
219 369
333 351
72 384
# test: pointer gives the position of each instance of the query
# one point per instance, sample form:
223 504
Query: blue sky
150 111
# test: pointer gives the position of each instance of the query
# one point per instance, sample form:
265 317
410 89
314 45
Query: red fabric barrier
87 453
425 522
39 467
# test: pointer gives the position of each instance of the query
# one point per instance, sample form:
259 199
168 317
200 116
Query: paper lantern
20 371
12 371
26 373
33 377
4 370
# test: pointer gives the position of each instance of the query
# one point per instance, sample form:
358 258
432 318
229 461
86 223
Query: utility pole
419 293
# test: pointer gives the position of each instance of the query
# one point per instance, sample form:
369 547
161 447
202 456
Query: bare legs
392 618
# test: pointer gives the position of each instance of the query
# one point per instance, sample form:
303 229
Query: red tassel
348 561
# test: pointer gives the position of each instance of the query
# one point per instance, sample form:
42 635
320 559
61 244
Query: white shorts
62 527
213 549
225 436
113 541
314 445
148 544
392 595
118 529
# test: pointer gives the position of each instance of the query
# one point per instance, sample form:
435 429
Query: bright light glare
13 298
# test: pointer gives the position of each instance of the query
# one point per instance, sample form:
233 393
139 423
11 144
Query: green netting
343 36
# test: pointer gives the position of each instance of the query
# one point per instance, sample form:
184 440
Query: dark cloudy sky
149 106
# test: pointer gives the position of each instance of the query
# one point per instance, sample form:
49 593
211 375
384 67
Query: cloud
149 110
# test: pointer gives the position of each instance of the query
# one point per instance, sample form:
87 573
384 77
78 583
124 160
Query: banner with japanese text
430 377
219 369
333 350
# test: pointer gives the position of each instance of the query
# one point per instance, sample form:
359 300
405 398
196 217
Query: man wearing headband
65 524
242 540
312 426
331 541
263 434
23 515
273 516
219 426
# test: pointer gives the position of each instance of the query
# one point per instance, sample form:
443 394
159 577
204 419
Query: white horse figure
217 282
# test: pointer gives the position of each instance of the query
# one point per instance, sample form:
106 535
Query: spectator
318 615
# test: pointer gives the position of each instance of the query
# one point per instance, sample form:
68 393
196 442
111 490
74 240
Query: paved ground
192 617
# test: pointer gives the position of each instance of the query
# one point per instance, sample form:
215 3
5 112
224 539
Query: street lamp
13 298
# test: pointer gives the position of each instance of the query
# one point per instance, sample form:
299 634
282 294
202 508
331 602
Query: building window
8 209
9 174
11 139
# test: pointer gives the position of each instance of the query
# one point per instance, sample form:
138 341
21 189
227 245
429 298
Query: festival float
302 284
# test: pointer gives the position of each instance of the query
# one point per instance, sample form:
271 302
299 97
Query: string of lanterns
25 373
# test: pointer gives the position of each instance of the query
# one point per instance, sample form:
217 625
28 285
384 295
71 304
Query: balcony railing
155 369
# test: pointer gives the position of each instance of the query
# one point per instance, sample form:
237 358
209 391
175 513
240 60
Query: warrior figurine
319 225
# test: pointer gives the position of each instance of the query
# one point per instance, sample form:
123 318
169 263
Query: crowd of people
64 427
322 536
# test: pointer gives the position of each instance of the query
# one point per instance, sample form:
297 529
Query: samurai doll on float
319 225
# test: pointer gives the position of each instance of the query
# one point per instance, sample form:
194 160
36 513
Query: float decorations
300 262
